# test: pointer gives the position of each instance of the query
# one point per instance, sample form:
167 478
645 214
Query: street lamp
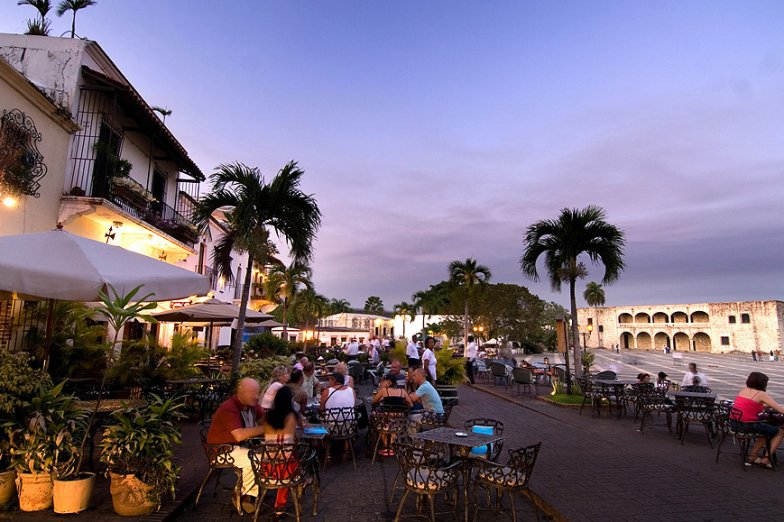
587 333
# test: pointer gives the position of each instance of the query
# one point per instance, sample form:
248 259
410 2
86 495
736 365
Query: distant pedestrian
470 358
412 353
754 355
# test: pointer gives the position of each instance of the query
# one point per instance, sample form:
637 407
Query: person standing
412 353
470 355
693 377
429 359
352 349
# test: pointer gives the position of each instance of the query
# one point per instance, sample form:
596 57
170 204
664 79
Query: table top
615 382
302 434
447 435
695 395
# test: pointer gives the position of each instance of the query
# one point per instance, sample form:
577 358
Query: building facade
705 327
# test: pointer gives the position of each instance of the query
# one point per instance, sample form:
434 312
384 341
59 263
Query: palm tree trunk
236 350
285 319
73 25
575 337
465 325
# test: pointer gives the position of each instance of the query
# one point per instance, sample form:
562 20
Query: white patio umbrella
61 265
211 310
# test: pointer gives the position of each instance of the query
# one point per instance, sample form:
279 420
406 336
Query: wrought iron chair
280 466
695 410
589 395
496 427
694 388
481 371
500 373
423 477
431 419
729 424
219 460
386 426
608 375
650 401
524 377
342 425
512 478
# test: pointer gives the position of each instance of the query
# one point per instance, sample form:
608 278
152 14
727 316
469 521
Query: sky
439 131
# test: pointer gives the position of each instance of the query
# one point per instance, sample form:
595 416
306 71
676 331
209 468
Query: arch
644 341
660 317
642 317
680 341
625 318
660 340
701 342
680 317
627 340
699 317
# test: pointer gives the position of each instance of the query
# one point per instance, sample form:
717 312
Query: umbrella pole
48 334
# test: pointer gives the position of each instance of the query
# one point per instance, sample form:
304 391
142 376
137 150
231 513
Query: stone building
705 327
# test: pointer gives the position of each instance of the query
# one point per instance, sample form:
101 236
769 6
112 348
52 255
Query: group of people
423 356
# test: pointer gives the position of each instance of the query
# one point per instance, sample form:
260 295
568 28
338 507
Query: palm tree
253 207
468 275
576 232
432 300
41 25
285 282
594 296
310 306
73 5
374 305
339 306
406 310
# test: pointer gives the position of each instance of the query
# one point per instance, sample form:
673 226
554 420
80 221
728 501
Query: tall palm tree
73 5
253 207
339 306
594 296
574 233
285 282
374 305
432 300
41 26
310 307
468 275
406 310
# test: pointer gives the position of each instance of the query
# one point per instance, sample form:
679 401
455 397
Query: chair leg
432 508
512 506
296 503
201 487
400 506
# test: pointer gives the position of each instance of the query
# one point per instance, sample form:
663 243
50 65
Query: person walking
470 358
412 353
429 359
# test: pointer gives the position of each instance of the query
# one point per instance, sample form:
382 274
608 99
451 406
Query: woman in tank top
751 401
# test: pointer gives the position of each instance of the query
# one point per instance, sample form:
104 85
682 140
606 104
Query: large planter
73 495
35 491
7 487
130 496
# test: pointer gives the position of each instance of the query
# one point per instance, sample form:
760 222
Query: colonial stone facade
706 327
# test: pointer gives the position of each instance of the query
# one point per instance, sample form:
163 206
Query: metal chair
728 422
650 401
490 451
695 410
524 377
423 477
386 425
342 425
512 478
608 375
481 371
500 372
219 460
280 466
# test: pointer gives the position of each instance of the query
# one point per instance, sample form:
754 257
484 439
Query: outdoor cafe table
693 407
462 448
611 389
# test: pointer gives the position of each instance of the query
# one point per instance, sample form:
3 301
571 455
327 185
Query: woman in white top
342 369
337 395
280 376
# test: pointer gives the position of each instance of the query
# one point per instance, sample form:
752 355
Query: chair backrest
696 389
524 459
606 375
522 376
480 365
218 455
341 422
279 464
497 425
498 369
420 469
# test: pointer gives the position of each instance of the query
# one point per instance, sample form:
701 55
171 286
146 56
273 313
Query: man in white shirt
412 353
470 355
694 377
429 359
352 349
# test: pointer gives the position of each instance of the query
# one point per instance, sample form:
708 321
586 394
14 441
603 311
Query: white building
707 327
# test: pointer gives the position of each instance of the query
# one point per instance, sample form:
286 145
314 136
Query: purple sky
434 131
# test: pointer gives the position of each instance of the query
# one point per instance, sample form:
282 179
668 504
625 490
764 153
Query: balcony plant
138 449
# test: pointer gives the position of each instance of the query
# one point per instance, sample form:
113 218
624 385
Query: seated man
693 377
239 418
426 395
397 374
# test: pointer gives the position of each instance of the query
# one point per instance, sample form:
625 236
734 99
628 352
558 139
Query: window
745 319
732 319
725 340
601 329
590 320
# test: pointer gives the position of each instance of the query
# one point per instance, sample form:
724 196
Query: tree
73 5
434 300
41 25
285 282
374 305
468 275
309 308
594 294
253 207
406 310
575 233
339 306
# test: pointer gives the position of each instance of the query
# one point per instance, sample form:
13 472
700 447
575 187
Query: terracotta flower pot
73 495
130 496
7 486
35 491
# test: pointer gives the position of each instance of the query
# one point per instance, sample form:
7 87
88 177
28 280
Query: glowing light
9 201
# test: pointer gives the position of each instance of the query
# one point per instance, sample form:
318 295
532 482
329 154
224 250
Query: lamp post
478 332
587 333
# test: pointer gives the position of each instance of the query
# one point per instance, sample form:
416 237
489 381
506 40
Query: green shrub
266 345
178 362
261 369
18 382
449 370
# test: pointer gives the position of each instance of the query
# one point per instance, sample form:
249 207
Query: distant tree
41 25
406 310
309 307
594 294
339 306
163 112
285 282
468 275
73 5
435 300
562 241
374 305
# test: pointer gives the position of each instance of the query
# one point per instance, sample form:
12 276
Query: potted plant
71 488
40 447
138 450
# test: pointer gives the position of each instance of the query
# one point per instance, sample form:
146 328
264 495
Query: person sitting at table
388 395
342 369
693 377
337 394
280 425
397 373
751 401
299 399
310 382
280 376
237 419
662 382
425 394
643 378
